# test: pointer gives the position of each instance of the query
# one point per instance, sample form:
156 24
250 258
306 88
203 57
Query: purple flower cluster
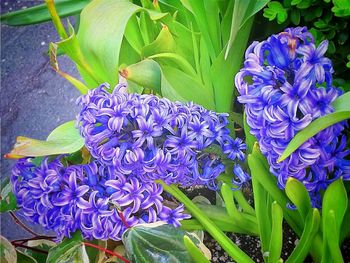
93 198
286 83
155 138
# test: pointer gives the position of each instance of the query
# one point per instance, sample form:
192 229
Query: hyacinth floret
93 198
285 84
155 138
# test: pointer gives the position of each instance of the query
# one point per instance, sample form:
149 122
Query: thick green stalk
231 248
56 19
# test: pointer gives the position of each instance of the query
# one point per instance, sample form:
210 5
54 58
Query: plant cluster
157 103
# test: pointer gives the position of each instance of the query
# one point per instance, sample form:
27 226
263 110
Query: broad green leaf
71 47
40 14
204 66
223 70
345 228
242 11
331 237
261 174
298 194
197 8
69 250
102 26
334 206
260 204
312 129
146 73
276 241
158 242
24 258
64 139
164 43
133 34
342 102
8 200
335 198
187 87
195 253
311 227
7 251
175 60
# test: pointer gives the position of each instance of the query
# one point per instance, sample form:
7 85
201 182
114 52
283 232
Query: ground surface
34 99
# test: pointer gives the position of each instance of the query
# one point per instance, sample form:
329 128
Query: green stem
231 248
238 195
56 19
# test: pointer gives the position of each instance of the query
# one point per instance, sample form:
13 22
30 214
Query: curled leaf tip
12 156
124 73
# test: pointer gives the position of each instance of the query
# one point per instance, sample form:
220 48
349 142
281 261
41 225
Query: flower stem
107 251
20 223
231 248
56 19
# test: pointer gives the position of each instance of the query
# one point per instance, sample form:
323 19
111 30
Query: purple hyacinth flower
242 177
285 84
174 216
151 137
72 192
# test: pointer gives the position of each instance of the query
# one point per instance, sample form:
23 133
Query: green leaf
42 244
334 206
298 194
7 251
275 10
331 237
260 205
341 8
311 227
102 26
276 233
24 258
342 102
164 43
203 19
295 16
243 10
40 14
64 139
158 242
54 64
244 221
315 127
335 198
71 47
8 200
187 87
69 250
146 73
223 70
195 253
250 139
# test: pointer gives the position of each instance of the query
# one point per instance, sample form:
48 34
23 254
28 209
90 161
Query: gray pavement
34 99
